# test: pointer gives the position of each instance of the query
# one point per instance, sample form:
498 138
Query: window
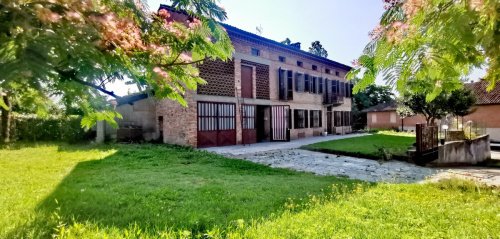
315 118
374 118
342 118
320 86
299 63
282 59
285 90
300 117
299 82
314 67
314 85
337 73
255 52
327 71
393 117
307 84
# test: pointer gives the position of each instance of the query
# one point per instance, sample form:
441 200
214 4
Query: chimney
295 45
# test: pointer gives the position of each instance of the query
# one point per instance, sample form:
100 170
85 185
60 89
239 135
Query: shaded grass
148 186
149 191
368 146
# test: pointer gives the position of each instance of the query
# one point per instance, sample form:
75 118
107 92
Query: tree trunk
5 129
402 125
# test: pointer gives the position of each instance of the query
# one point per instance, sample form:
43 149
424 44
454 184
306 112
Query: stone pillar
101 132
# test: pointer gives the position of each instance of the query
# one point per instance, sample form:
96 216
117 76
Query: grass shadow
153 186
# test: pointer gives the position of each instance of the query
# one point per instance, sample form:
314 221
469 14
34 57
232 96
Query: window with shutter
314 85
307 86
315 116
342 89
282 89
320 86
290 85
299 82
335 87
300 119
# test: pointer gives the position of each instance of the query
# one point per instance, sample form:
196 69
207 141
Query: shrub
57 128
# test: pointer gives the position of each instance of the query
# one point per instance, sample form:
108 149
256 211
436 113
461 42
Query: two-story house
268 91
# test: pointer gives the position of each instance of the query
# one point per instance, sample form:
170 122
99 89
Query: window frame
255 51
300 63
300 119
282 59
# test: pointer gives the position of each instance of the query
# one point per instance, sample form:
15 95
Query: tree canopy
432 45
74 50
317 49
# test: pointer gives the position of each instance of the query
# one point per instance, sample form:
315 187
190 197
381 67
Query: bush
60 128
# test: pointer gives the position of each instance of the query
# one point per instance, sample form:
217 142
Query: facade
384 116
268 91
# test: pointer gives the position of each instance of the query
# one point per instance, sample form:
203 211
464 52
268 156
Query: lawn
151 191
370 146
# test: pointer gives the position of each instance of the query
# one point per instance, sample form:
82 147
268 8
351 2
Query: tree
371 96
431 45
404 112
76 49
459 103
287 41
317 49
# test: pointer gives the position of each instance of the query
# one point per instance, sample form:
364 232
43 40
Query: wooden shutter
282 90
307 86
289 87
320 86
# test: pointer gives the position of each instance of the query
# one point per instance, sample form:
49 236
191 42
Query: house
384 116
486 111
268 91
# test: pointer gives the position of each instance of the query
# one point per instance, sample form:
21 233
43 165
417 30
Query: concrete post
101 132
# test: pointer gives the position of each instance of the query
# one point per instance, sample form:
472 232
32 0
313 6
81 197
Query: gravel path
365 169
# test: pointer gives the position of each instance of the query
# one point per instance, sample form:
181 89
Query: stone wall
464 152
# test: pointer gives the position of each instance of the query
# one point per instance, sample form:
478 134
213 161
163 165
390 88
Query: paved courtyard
287 155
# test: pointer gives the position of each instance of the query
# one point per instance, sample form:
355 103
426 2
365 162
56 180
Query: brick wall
383 120
219 76
179 123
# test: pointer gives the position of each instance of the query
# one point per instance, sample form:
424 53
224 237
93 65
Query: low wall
464 152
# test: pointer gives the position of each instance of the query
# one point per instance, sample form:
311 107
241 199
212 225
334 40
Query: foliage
404 111
287 41
317 49
459 103
366 98
368 146
54 128
431 45
51 189
76 49
85 192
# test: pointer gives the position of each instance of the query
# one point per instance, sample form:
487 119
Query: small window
337 73
255 52
282 59
327 71
299 63
393 117
374 118
314 67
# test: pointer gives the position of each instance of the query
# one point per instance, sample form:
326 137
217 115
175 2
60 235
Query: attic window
314 67
282 59
255 52
327 71
337 73
299 63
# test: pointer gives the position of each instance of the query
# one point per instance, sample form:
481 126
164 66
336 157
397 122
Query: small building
486 111
268 91
384 116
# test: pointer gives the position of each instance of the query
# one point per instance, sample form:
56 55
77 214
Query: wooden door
249 127
280 128
246 81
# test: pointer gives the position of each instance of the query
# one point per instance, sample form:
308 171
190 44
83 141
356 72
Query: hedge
33 128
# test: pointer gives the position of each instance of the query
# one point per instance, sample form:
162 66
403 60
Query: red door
246 81
248 116
216 124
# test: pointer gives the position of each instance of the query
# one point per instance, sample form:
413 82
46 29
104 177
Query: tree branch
71 75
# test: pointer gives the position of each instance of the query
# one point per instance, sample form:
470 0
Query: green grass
368 146
150 186
149 191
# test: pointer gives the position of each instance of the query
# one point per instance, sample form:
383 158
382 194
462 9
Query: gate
249 129
280 128
427 143
216 124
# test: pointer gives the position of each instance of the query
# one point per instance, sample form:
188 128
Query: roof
484 97
383 107
236 32
131 99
